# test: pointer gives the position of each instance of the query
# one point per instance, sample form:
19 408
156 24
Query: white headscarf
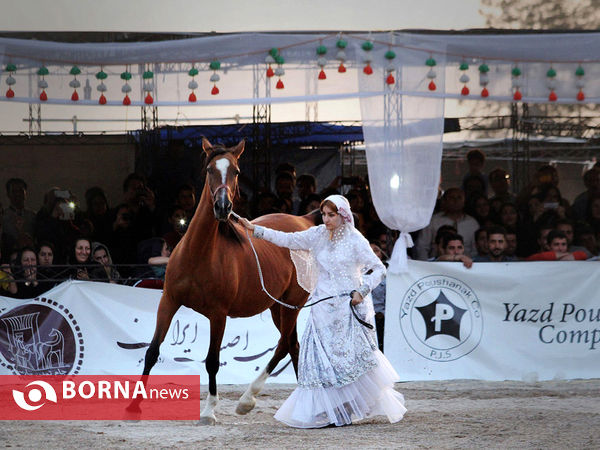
343 207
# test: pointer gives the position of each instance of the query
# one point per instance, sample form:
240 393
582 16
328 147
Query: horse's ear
239 149
206 146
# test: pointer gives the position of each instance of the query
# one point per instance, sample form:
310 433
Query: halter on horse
212 247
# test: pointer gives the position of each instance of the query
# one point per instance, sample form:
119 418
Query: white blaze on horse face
222 164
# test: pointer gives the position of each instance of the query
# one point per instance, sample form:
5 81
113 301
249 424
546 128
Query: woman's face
82 250
101 256
331 218
29 262
45 255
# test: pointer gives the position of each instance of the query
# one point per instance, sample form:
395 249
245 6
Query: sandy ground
441 414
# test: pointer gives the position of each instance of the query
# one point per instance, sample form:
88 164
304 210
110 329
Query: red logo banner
100 397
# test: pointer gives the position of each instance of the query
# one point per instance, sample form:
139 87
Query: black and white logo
34 399
441 318
41 338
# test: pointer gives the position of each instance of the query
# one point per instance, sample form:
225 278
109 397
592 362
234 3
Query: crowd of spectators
497 225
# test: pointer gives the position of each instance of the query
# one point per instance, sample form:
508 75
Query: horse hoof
246 407
208 420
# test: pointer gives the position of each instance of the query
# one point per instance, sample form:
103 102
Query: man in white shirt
453 204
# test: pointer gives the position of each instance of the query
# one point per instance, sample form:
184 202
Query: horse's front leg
217 328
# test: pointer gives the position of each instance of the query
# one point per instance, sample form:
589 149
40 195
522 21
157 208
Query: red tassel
192 98
368 70
43 96
214 90
322 75
102 100
127 100
148 100
10 93
390 79
464 91
518 95
342 68
279 84
485 92
552 97
580 96
75 96
270 72
432 86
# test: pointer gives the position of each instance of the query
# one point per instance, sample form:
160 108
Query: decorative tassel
126 100
102 99
192 98
279 84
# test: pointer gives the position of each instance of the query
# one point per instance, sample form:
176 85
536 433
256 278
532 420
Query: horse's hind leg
166 310
217 328
286 323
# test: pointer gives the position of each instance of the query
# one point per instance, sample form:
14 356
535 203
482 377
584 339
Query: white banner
496 321
98 328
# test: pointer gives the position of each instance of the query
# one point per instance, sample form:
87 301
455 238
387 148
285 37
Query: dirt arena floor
441 415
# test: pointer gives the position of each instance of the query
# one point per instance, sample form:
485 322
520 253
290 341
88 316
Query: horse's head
221 176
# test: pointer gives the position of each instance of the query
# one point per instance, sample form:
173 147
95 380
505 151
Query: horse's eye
210 170
237 172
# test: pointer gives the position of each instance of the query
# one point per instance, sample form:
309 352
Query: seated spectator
453 249
500 184
557 244
98 213
45 255
509 216
591 180
8 287
496 242
84 267
567 227
185 198
54 223
511 245
553 200
476 161
309 203
28 286
101 255
479 209
154 252
285 184
306 185
593 213
179 225
481 243
439 249
453 204
473 186
586 237
122 241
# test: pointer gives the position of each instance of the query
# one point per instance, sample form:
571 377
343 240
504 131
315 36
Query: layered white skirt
332 387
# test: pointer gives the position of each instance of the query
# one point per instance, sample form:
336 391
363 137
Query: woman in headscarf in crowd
342 374
83 266
25 270
101 255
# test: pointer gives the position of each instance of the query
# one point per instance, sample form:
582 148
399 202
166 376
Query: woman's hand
246 223
356 298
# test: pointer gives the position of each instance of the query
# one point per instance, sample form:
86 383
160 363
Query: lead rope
262 284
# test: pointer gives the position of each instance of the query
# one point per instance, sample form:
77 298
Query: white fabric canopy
402 116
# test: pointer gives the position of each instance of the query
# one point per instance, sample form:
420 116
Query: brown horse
213 271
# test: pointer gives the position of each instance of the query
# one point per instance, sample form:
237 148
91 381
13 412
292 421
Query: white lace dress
342 374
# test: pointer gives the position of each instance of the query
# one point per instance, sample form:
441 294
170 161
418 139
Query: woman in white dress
342 375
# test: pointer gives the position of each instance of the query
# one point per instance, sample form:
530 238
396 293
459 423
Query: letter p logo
442 312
